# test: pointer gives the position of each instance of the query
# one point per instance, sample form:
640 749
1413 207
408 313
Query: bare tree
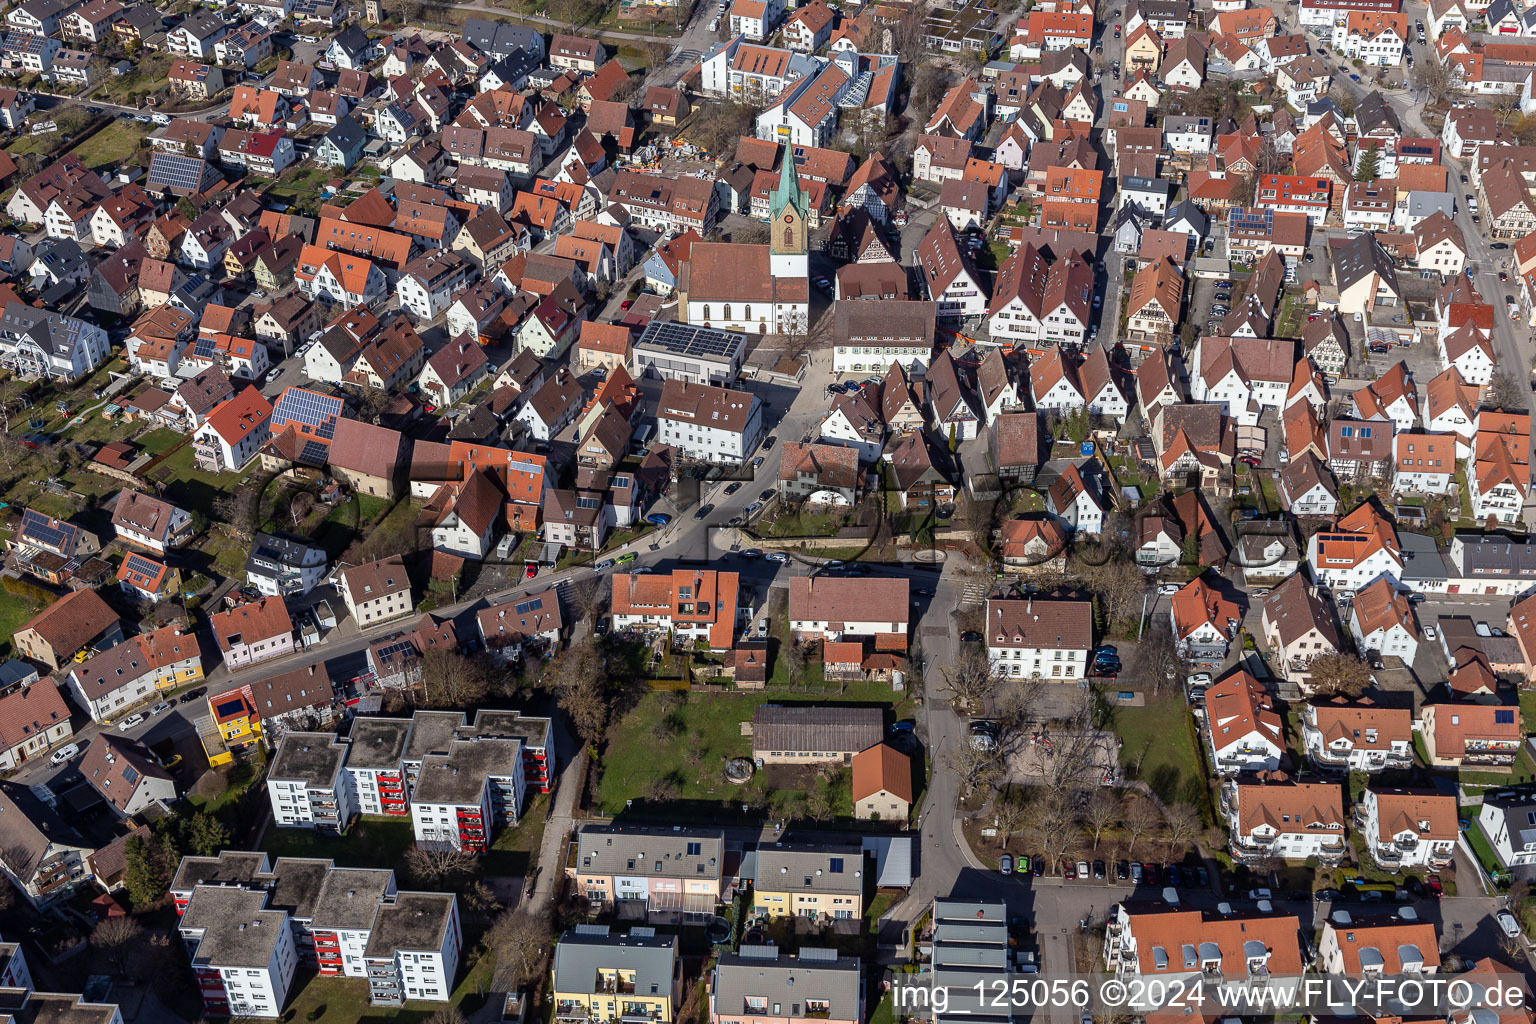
1018 701
441 866
117 940
1504 392
1052 826
1141 820
583 689
371 402
519 940
795 662
240 511
907 35
1164 662
971 678
978 766
589 597
446 1015
1103 812
1181 824
1338 675
1010 813
452 680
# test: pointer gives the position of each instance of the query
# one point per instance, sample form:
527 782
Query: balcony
568 1009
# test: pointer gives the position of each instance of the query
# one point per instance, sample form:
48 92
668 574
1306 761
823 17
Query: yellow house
232 723
817 881
600 977
1143 49
173 656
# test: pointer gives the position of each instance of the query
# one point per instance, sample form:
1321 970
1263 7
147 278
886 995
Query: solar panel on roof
142 565
398 647
41 529
175 170
529 606
318 412
314 453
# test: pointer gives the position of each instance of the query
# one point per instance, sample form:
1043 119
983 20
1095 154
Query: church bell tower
788 242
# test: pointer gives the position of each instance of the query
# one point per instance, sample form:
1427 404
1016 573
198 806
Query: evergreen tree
143 876
1367 171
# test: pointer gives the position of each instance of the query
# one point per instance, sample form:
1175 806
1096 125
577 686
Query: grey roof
653 851
970 945
295 883
230 867
1187 213
531 729
458 777
816 729
273 553
62 256
378 743
347 135
760 972
893 860
1355 260
1373 112
1154 186
30 826
352 39
237 929
52 332
1492 555
514 67
1422 560
500 38
1519 810
431 733
349 898
14 671
313 758
809 867
581 954
416 921
1422 204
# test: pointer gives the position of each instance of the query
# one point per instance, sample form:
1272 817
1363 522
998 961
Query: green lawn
688 754
1484 851
112 145
373 841
1528 711
514 849
345 1001
800 525
187 485
1159 750
239 778
14 612
159 441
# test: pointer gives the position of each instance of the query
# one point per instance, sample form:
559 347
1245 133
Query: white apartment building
1409 828
242 954
707 423
1387 944
459 797
1274 816
1037 639
308 785
413 949
377 746
1360 736
1166 942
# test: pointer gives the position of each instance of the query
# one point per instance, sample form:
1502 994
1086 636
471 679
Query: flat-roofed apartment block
459 797
969 947
759 986
308 784
816 881
347 921
243 955
537 735
373 760
413 950
676 875
600 977
343 917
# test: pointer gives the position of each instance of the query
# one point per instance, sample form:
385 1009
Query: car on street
1005 864
626 303
767 493
1430 634
703 511
658 519
1168 589
1499 245
1415 597
1259 894
1326 895
734 521
733 487
628 556
777 556
750 553
64 753
604 565
192 695
753 509
161 708
769 442
757 463
131 722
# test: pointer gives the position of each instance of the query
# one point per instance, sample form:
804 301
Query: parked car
131 722
1436 889
703 511
1199 679
64 753
192 695
1005 864
733 487
1082 869
777 556
1259 894
1098 869
628 556
1037 866
658 519
1168 588
1123 870
161 708
1068 871
1149 873
1136 873
604 565
1507 924
971 636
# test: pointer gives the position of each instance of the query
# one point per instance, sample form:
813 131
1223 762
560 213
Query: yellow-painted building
231 723
601 978
817 881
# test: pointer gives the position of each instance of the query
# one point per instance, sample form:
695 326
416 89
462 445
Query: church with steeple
759 289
